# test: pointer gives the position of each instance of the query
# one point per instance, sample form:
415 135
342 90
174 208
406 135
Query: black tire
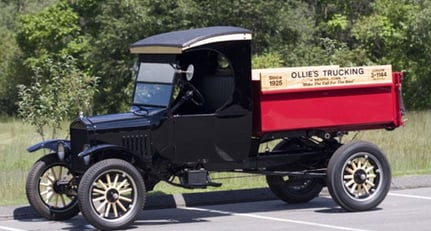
359 176
43 194
294 190
111 194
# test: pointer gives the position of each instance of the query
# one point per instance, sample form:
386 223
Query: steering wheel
193 94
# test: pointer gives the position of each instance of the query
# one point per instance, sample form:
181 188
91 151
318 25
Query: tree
54 54
59 91
397 32
111 27
51 33
289 32
10 53
416 54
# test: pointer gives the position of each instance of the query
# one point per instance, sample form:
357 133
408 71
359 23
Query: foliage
110 28
10 61
58 92
51 33
290 33
267 60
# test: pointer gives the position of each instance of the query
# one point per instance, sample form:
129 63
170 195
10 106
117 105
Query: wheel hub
112 195
360 176
61 186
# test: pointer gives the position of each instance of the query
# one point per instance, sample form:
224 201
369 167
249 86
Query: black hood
115 121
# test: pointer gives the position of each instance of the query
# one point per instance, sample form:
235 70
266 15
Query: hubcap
361 176
112 195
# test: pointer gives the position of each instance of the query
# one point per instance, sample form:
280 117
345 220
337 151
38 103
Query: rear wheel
111 194
359 176
294 189
51 189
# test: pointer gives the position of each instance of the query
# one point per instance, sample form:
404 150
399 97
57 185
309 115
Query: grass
407 148
14 159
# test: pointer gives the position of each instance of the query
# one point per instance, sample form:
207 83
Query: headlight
60 151
87 157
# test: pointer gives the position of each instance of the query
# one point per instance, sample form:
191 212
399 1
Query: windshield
156 72
154 84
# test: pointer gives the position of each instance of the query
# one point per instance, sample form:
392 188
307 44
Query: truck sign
316 77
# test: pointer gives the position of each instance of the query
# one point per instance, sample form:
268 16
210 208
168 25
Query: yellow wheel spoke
48 190
56 200
102 184
126 191
366 189
371 176
359 162
114 207
354 167
125 199
108 180
370 183
108 208
353 188
359 192
115 180
124 182
49 197
369 169
45 184
101 198
348 177
348 184
121 206
53 173
96 190
60 174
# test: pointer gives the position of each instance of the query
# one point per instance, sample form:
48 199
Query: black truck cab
202 81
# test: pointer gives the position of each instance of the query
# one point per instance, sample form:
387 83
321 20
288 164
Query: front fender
49 144
102 147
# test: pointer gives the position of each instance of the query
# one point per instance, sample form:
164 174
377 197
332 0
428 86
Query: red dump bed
328 98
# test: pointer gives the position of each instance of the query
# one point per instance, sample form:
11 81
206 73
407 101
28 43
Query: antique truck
198 107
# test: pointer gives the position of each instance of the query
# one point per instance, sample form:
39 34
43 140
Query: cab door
212 138
218 131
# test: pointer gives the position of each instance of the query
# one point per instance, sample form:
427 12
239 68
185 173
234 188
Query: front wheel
51 189
359 176
111 194
294 189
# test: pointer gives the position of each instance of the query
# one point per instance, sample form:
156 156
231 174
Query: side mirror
190 71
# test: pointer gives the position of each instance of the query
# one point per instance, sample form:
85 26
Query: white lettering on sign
321 76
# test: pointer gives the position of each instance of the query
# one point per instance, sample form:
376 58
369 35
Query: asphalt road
407 209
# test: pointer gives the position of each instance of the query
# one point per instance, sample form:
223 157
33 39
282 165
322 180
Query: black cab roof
177 42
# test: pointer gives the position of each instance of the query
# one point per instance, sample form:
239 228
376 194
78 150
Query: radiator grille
135 143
